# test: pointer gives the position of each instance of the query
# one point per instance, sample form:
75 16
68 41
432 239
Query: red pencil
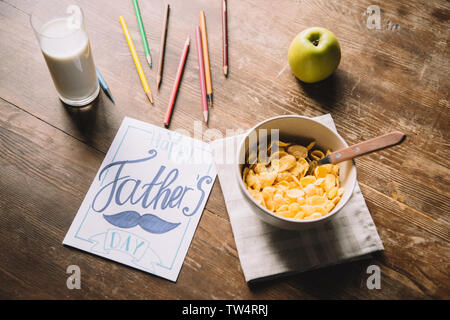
173 95
201 71
224 38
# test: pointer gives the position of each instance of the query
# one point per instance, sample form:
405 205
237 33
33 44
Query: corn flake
279 181
299 152
317 155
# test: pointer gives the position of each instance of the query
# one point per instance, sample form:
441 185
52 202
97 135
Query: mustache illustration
148 222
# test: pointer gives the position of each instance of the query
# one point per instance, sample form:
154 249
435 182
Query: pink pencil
201 71
176 84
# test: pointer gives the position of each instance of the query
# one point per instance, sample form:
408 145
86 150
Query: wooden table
392 78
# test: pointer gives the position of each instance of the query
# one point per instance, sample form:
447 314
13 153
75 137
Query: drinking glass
59 27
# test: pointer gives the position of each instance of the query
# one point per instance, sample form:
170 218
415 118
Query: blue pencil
104 86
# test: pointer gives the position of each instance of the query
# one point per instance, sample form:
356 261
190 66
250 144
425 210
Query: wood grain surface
393 78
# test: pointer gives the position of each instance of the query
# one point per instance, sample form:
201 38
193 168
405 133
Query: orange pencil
201 71
206 58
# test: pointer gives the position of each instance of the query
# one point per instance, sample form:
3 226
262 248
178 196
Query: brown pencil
206 58
163 46
224 38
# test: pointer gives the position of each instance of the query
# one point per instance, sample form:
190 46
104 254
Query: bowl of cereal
276 171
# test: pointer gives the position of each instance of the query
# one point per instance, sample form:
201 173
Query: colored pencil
176 83
104 85
136 59
224 38
163 46
206 57
137 12
201 71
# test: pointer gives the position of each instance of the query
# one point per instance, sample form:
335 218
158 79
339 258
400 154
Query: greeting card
146 199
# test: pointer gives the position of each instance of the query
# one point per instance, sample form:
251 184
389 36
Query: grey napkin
268 252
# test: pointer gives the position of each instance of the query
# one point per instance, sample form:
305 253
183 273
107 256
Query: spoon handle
368 146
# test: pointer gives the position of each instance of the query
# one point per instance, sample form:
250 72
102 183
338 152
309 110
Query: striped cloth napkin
267 252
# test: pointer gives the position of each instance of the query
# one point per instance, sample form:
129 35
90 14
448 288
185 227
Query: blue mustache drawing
148 222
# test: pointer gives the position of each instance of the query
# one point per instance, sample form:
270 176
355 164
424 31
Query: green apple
314 54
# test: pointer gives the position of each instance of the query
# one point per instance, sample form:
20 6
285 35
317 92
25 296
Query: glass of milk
60 30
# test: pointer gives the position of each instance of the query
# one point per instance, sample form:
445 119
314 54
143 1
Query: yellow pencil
209 90
136 59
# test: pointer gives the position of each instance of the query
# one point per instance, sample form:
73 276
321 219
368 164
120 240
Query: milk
69 58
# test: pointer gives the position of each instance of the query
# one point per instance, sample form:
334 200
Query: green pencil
142 31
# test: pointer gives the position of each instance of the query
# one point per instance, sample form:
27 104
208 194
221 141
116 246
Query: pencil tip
166 125
149 95
225 70
210 100
108 93
158 82
205 116
149 60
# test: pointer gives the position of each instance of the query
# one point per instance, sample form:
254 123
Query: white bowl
299 129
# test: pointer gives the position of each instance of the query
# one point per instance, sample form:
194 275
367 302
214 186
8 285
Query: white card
146 200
